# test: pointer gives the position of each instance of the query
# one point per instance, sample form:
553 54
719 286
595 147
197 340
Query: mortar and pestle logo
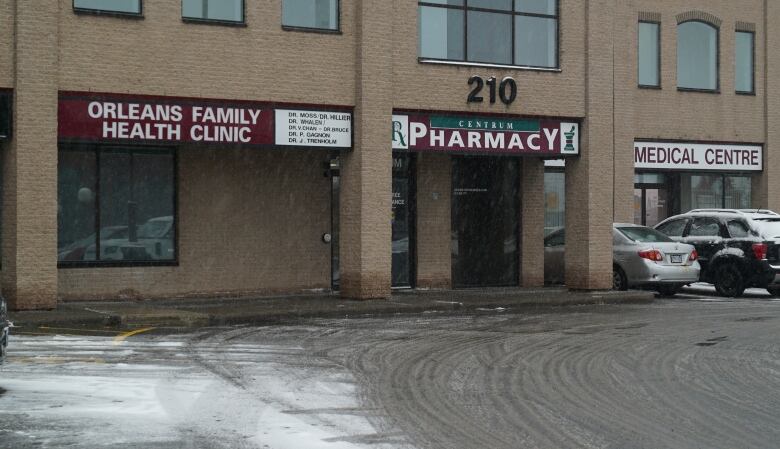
570 140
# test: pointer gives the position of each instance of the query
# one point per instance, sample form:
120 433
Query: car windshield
770 228
643 234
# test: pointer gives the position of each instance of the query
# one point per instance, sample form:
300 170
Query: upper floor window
697 56
507 32
217 10
649 54
111 6
743 59
313 14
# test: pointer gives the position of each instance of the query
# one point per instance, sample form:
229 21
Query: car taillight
759 250
651 254
694 256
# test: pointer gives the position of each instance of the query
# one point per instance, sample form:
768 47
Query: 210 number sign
507 90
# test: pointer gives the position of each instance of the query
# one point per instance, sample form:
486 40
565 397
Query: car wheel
729 281
774 292
668 290
619 281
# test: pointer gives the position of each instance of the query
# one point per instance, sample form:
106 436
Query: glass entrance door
484 221
402 221
651 204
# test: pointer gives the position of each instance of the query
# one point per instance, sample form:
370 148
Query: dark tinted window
557 238
643 234
738 229
673 228
133 196
701 227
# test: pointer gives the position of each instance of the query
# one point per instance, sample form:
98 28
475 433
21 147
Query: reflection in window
649 53
743 59
737 192
701 192
318 14
715 192
697 56
120 6
674 228
554 201
127 215
704 227
441 33
487 37
738 229
523 32
224 10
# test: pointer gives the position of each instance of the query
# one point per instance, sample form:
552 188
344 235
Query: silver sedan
642 258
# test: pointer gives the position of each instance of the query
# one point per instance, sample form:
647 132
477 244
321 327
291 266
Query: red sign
485 135
125 118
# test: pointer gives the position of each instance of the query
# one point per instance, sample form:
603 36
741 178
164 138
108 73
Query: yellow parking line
122 337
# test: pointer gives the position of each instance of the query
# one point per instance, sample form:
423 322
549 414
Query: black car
736 249
4 325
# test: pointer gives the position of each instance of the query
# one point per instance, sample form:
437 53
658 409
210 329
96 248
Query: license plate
676 258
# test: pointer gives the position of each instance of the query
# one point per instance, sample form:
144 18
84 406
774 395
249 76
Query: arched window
697 56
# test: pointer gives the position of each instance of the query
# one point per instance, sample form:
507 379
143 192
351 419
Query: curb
189 316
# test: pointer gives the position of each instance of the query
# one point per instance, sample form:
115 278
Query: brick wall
249 222
371 64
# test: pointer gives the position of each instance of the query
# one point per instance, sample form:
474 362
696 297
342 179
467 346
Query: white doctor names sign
697 156
313 128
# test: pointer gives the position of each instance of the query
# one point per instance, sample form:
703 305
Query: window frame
658 55
752 92
716 90
513 14
336 30
207 21
109 12
97 149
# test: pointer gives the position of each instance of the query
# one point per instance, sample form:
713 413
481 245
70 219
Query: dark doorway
403 221
332 169
484 222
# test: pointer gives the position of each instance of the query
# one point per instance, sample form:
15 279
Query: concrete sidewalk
190 313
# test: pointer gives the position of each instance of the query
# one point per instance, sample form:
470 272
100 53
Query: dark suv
4 324
737 248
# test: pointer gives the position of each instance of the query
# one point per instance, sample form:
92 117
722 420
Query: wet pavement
691 372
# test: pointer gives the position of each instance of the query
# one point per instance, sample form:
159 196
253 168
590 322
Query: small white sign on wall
313 128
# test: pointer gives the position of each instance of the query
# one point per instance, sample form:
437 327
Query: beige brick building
173 149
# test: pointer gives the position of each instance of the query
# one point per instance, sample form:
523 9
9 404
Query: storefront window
737 192
743 60
118 6
715 191
316 14
481 31
554 201
116 206
697 56
220 10
702 192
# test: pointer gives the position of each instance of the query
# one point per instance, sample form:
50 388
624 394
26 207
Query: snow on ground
162 392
